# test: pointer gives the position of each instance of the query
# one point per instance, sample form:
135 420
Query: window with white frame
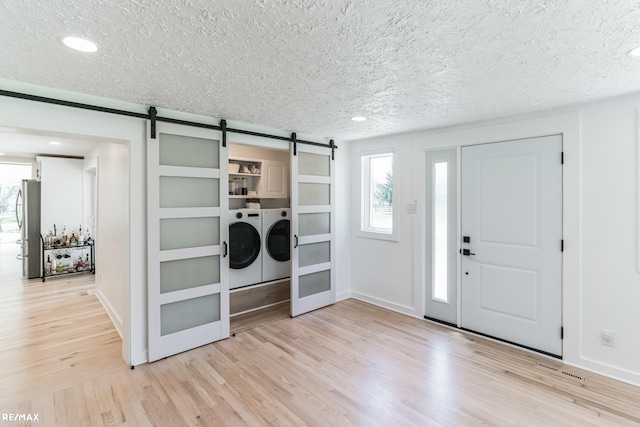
378 205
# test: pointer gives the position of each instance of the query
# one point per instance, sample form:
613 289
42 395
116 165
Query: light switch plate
412 208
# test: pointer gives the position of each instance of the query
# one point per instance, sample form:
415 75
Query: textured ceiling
308 66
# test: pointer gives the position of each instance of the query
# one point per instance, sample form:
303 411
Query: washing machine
245 247
276 247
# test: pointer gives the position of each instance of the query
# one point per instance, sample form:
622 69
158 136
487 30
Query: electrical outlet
608 338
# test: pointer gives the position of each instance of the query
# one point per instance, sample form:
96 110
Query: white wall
89 196
259 152
61 194
111 162
610 281
343 221
601 283
380 283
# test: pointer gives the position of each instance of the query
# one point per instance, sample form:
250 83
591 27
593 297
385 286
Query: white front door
312 228
188 267
511 251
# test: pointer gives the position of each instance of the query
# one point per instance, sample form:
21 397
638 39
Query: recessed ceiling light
358 119
635 52
83 45
54 143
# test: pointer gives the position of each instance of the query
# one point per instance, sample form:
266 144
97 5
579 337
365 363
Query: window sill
376 235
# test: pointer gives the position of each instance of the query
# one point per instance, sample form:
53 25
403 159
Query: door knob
467 252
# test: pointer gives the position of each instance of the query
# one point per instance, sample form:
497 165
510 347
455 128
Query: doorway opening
262 298
45 155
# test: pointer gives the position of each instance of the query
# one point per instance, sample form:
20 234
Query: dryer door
244 245
278 240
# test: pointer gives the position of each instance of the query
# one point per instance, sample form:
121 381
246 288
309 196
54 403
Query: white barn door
188 279
312 228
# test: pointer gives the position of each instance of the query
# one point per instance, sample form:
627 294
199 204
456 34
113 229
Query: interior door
188 267
512 230
312 228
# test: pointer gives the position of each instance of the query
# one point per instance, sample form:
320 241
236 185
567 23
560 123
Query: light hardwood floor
348 364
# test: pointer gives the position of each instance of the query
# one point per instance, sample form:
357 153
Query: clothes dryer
276 246
245 247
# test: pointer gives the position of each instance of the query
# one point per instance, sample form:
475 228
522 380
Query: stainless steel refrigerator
28 217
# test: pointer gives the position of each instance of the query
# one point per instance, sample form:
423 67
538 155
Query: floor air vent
545 366
574 376
560 372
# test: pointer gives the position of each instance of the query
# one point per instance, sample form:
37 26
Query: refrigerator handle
18 219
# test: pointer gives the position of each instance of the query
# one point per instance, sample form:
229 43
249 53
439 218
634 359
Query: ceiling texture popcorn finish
309 66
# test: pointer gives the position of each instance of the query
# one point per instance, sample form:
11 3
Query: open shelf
67 254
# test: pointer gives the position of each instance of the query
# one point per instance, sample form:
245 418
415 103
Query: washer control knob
239 215
283 213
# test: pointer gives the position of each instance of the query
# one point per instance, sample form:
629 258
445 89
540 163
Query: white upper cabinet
273 184
61 200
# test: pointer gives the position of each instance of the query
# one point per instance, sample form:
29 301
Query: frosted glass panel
315 223
313 164
178 150
314 253
313 194
189 273
180 192
314 283
440 234
179 233
180 315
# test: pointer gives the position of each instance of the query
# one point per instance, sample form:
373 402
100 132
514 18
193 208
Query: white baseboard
404 309
343 296
115 319
609 371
